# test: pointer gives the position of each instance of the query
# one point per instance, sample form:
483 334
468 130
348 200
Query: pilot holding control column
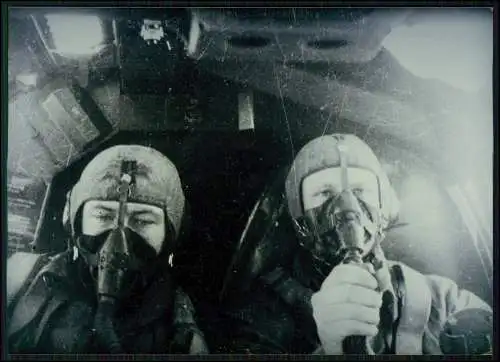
341 295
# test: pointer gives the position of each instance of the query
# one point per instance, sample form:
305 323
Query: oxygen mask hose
353 240
357 344
352 237
110 285
112 264
104 328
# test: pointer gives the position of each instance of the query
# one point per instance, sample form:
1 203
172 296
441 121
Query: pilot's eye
104 216
366 194
143 222
357 191
325 193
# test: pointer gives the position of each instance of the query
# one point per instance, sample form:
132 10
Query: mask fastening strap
124 190
344 179
70 224
68 211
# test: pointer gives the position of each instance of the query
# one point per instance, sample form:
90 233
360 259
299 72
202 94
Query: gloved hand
347 304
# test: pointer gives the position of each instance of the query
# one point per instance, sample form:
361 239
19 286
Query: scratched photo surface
249 181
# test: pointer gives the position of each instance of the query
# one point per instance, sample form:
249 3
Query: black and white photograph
229 182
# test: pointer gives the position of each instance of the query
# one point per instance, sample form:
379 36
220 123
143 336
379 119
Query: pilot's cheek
91 226
154 236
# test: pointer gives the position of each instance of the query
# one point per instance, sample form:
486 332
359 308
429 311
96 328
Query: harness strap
415 299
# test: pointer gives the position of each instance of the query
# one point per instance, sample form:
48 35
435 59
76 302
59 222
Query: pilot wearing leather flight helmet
112 290
340 295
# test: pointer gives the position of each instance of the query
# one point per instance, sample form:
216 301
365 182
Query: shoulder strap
22 267
415 300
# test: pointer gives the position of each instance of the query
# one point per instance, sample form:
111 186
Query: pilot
340 295
112 290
